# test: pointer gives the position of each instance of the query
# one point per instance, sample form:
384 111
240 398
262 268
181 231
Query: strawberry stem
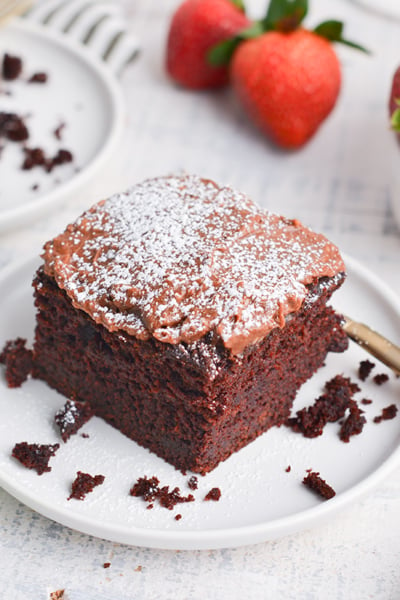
333 30
285 15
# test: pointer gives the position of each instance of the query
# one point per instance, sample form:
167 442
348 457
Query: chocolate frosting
178 257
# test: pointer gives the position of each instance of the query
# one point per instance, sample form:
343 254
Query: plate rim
16 217
209 539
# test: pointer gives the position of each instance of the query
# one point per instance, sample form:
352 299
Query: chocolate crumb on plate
365 368
70 418
58 131
193 482
35 456
39 77
387 413
11 67
214 494
354 422
381 378
34 157
318 485
18 362
328 408
12 127
168 499
145 487
57 595
84 484
62 157
366 401
149 490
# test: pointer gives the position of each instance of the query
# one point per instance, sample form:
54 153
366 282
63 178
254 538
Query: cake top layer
178 257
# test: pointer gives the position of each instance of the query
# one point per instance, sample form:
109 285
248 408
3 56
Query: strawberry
287 78
394 102
288 83
196 26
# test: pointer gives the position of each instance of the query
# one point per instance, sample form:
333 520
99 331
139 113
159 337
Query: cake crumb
193 482
387 413
328 408
18 362
12 67
149 490
62 157
57 595
34 157
353 424
13 127
58 131
107 565
178 517
364 369
315 483
145 487
71 417
214 494
35 456
168 499
381 378
139 569
366 401
84 484
288 469
39 77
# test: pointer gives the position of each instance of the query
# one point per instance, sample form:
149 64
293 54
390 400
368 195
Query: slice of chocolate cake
186 316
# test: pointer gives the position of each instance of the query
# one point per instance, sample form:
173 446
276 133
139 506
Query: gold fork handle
374 343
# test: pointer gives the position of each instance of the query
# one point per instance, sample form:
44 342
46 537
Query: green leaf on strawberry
221 53
395 119
239 4
333 30
285 15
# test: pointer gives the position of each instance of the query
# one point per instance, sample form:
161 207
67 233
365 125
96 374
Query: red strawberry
197 26
394 101
288 83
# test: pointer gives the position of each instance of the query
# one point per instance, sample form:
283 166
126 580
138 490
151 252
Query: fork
10 9
374 343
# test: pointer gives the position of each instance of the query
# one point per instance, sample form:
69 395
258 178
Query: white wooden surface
342 184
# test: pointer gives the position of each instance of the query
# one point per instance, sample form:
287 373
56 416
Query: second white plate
260 499
81 94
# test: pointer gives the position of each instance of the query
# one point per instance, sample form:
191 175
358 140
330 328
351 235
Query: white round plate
260 500
80 93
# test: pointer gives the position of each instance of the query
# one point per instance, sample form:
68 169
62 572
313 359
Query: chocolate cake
186 316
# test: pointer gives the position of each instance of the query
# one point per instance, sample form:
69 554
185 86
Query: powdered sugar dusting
177 257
